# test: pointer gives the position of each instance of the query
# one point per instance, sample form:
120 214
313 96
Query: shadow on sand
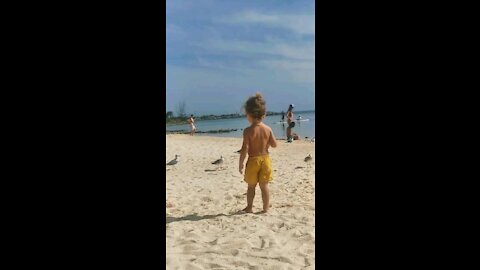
195 217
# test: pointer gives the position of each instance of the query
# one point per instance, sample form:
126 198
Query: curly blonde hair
255 106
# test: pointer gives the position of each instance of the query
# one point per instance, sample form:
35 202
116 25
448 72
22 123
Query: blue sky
219 52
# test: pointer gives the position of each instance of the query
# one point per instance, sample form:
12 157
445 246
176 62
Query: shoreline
234 127
182 131
226 135
182 120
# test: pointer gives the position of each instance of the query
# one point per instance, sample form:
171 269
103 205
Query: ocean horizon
304 128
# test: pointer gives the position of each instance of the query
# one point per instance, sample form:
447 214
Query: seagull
174 161
308 159
219 161
312 140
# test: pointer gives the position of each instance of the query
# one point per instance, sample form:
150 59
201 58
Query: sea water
302 128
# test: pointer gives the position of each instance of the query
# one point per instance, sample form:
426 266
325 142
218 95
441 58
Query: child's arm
243 151
272 141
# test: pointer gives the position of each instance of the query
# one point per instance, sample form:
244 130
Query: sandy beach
204 230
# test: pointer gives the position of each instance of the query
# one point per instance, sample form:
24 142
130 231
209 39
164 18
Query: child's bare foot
246 210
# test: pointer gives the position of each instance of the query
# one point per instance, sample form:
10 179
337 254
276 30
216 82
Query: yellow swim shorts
258 169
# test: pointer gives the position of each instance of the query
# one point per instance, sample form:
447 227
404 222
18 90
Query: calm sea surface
302 128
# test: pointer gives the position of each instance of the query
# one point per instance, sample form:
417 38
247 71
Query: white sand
203 231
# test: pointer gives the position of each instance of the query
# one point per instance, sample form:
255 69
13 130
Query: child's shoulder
266 127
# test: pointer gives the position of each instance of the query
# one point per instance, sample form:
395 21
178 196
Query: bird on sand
174 161
308 159
219 161
312 140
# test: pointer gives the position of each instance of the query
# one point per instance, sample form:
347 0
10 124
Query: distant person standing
290 122
283 122
191 121
290 114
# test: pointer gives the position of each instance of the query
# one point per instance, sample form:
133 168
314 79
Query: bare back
258 138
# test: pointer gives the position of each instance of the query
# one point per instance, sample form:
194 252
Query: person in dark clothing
291 123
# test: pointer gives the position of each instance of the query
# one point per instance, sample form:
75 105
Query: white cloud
299 23
294 61
291 50
298 71
288 65
201 86
304 51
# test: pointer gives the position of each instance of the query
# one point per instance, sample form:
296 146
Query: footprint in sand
206 199
264 242
307 262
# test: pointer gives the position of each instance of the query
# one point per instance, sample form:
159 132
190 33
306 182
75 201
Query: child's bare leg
250 197
265 196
